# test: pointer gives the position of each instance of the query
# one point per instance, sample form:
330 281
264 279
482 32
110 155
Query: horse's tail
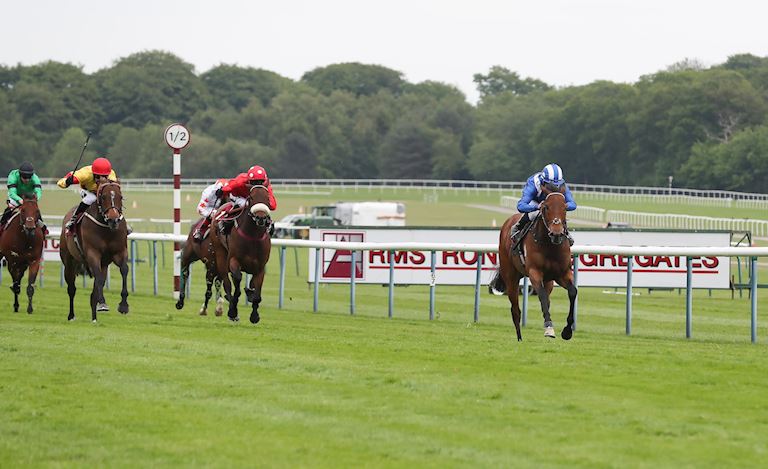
497 286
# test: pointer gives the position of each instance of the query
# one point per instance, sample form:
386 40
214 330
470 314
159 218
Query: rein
102 211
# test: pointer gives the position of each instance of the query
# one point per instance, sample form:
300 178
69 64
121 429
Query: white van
365 213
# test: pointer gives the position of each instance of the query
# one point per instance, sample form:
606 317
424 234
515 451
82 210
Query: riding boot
200 230
6 215
71 223
518 228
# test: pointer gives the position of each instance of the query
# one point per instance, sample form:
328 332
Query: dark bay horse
245 249
200 251
547 259
101 239
21 243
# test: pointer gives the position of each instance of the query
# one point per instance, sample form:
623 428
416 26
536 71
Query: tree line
705 126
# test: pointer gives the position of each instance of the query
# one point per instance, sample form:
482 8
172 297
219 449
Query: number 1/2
181 136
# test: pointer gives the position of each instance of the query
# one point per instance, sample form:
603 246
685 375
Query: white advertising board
51 250
460 268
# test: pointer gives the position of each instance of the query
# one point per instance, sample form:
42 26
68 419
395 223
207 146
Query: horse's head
110 202
257 205
29 213
553 215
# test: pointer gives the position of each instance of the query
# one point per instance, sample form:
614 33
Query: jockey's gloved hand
219 193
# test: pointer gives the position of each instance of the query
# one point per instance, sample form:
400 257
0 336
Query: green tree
66 152
230 85
502 80
151 86
356 78
740 164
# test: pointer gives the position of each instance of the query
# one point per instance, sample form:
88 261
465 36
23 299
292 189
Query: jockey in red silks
238 189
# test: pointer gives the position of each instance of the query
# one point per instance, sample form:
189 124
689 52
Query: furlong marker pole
176 222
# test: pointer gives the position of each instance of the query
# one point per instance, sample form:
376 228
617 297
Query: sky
562 42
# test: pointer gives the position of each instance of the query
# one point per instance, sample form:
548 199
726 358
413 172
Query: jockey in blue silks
550 177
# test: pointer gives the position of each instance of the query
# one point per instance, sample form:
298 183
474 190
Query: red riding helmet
257 173
101 167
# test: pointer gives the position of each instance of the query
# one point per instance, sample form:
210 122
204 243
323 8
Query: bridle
555 238
258 220
28 223
104 211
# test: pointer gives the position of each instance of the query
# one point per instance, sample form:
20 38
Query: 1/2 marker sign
177 136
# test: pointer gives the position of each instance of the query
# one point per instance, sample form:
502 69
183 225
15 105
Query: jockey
89 178
22 182
550 177
210 200
238 189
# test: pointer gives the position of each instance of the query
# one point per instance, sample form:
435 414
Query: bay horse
21 244
543 257
101 238
200 251
245 249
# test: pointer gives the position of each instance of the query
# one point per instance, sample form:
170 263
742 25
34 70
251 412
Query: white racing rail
751 253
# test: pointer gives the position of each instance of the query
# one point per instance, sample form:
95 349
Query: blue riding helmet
552 174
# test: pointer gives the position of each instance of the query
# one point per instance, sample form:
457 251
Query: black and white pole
177 137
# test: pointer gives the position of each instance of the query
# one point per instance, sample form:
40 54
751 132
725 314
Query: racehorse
21 243
543 257
247 249
200 250
101 239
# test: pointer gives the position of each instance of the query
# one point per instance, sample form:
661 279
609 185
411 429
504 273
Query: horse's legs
219 299
513 289
16 273
70 275
209 275
543 290
121 260
567 283
34 267
254 295
97 294
237 276
186 259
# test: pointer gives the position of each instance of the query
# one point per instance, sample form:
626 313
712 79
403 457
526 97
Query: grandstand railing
751 253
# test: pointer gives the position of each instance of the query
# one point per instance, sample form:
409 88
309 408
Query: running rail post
688 295
630 260
433 261
352 282
391 283
525 301
133 266
477 285
575 284
316 292
154 265
753 292
281 289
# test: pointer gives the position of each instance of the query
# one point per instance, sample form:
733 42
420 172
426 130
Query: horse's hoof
255 318
567 333
179 304
71 319
94 321
203 312
122 309
549 332
29 311
234 319
102 307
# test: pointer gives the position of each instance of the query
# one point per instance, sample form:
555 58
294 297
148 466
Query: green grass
164 387
161 387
